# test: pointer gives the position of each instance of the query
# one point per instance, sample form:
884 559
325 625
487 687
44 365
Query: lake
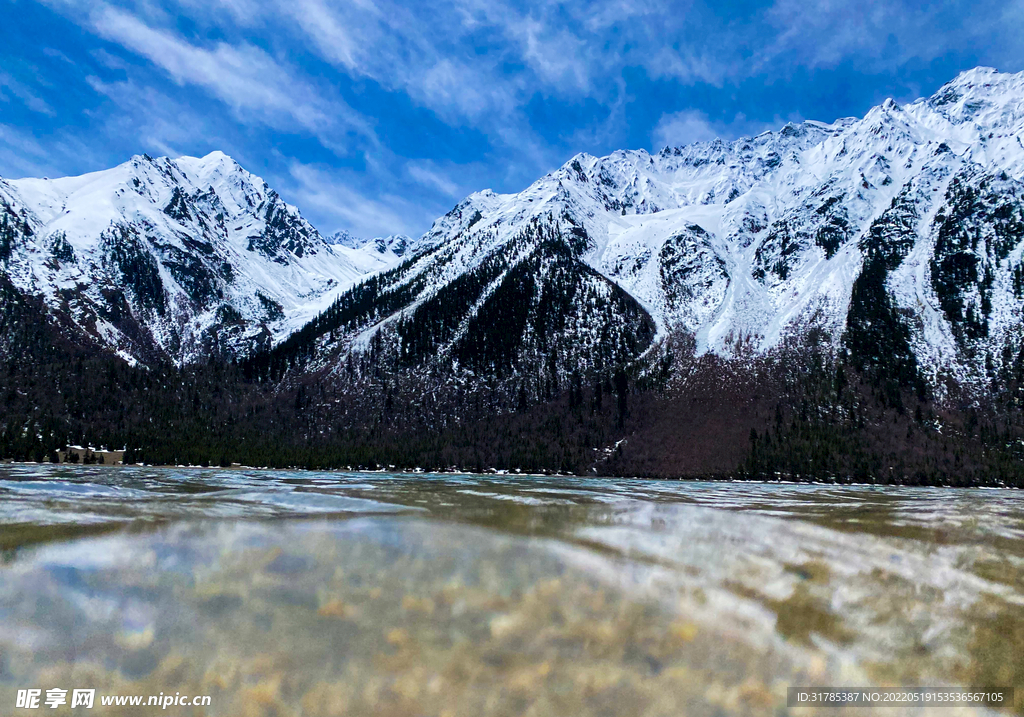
300 593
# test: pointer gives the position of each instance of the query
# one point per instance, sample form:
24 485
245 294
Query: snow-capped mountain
898 237
179 258
902 231
345 238
376 253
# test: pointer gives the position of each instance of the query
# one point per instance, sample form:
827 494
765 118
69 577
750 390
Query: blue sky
378 117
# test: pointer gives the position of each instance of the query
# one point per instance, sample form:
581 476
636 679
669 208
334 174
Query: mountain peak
175 257
983 81
977 75
396 244
216 161
343 237
214 164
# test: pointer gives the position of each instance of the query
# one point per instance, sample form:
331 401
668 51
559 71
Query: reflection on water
285 593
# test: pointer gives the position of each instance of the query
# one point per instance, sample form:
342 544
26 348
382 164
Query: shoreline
513 474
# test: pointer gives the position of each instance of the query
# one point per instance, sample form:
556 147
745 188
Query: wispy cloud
254 84
470 93
425 174
879 35
24 155
21 154
689 126
342 206
243 76
681 128
12 88
161 125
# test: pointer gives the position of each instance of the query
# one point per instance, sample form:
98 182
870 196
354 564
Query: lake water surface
296 593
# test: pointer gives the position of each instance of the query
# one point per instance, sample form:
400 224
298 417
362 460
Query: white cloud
557 56
424 174
336 200
681 128
881 35
159 124
690 66
253 83
23 155
245 77
330 34
11 86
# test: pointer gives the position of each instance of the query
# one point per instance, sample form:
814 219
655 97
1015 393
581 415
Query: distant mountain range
898 236
892 244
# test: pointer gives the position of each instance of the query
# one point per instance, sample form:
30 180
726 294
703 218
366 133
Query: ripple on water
475 595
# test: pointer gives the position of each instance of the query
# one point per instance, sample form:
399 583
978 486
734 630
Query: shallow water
295 593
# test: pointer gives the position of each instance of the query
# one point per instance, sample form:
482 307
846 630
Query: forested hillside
796 414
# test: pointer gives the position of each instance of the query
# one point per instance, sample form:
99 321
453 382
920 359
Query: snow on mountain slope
901 229
175 257
742 243
371 255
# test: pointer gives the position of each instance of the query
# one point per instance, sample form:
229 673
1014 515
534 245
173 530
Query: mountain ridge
173 259
828 301
744 243
737 242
